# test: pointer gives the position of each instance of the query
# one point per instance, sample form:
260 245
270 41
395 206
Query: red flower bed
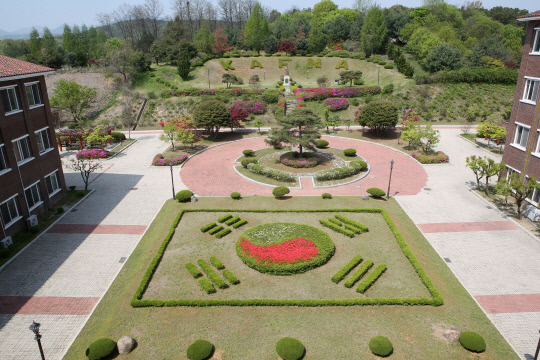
290 251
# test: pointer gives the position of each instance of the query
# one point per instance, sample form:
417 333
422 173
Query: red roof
530 15
15 67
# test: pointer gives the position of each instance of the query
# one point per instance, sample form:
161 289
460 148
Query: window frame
11 111
4 160
533 194
40 143
510 170
13 219
35 203
31 85
536 151
536 42
18 148
58 187
527 89
518 145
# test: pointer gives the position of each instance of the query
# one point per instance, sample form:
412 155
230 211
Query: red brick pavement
211 172
467 226
509 303
47 305
98 229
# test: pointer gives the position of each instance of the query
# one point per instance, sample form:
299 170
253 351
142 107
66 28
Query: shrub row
223 232
438 158
193 270
340 275
230 277
354 229
346 220
358 274
338 173
248 161
207 227
212 275
271 173
160 160
240 223
215 230
336 228
207 285
224 218
201 92
335 221
371 278
471 75
316 94
217 263
232 220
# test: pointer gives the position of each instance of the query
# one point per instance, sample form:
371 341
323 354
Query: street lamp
172 179
390 180
537 349
208 78
35 329
377 75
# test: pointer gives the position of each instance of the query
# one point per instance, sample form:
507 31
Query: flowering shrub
314 94
339 173
337 47
92 154
290 251
289 159
200 92
437 158
336 104
251 106
271 173
159 160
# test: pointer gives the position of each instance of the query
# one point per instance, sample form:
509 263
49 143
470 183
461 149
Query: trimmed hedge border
336 228
371 278
335 221
345 270
216 263
207 285
207 227
358 274
230 277
223 232
240 223
357 225
232 220
435 300
215 230
224 218
212 275
193 270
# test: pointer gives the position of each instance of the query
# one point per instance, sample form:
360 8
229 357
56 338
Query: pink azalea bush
250 106
336 104
160 160
92 154
307 161
200 92
437 158
314 94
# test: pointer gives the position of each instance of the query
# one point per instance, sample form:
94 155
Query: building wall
525 113
19 124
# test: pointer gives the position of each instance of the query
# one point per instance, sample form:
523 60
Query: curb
121 151
481 147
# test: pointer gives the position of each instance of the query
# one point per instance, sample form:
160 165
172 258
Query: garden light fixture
172 179
390 179
35 329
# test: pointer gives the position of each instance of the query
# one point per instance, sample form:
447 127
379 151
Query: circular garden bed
284 248
294 160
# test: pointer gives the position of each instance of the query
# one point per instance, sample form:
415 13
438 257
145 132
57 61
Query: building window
43 140
521 136
534 196
536 43
33 199
9 211
32 93
510 171
537 149
3 159
22 150
530 93
9 99
51 181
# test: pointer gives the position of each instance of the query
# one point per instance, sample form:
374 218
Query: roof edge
17 77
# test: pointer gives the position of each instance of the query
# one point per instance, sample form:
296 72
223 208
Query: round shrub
184 195
59 210
376 192
326 196
321 144
271 96
349 152
248 153
361 163
472 341
280 191
235 195
248 161
290 349
388 88
389 66
200 350
100 348
381 346
118 136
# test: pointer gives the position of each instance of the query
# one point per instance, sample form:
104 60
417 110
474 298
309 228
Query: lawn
252 332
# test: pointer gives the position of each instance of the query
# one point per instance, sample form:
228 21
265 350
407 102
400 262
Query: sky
15 15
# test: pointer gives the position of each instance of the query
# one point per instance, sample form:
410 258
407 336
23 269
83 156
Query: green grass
251 333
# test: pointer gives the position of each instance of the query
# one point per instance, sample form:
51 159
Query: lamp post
35 329
208 78
390 179
172 179
537 349
377 75
264 72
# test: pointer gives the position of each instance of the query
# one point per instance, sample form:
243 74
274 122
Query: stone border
121 151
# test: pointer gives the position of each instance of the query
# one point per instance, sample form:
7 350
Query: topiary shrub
290 349
248 153
280 191
184 195
271 96
100 349
388 88
321 144
376 192
248 161
118 136
361 163
349 152
326 196
472 341
381 346
236 195
200 350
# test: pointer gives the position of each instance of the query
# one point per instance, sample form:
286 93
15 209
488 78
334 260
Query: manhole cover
447 260
489 206
122 259
427 189
134 188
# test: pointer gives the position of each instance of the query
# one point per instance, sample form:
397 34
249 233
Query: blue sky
16 15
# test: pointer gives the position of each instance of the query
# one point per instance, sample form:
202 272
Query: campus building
31 177
522 153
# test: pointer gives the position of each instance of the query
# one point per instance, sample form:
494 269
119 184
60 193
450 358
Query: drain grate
122 259
447 260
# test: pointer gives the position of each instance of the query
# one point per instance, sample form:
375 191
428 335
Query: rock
531 212
125 345
194 198
365 197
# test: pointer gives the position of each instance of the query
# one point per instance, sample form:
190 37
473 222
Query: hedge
217 263
224 218
371 278
212 275
184 195
193 270
100 349
326 196
271 173
223 232
232 220
376 192
438 158
435 300
472 75
215 230
335 221
354 229
280 192
339 173
336 228
346 220
340 275
207 227
236 195
240 223
358 274
230 277
207 285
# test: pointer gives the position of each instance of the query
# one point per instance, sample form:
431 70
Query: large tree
298 128
378 115
518 188
204 39
349 76
212 115
221 44
374 34
73 98
256 30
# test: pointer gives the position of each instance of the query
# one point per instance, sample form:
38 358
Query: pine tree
256 30
184 65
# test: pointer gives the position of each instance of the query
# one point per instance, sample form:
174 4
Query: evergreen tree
184 65
374 34
204 39
317 40
35 45
256 30
271 44
67 39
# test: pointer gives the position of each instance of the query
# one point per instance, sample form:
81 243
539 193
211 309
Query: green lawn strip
207 285
336 228
371 278
215 230
230 277
217 263
335 221
207 227
340 275
240 223
348 221
358 274
232 220
212 275
193 270
223 232
224 218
